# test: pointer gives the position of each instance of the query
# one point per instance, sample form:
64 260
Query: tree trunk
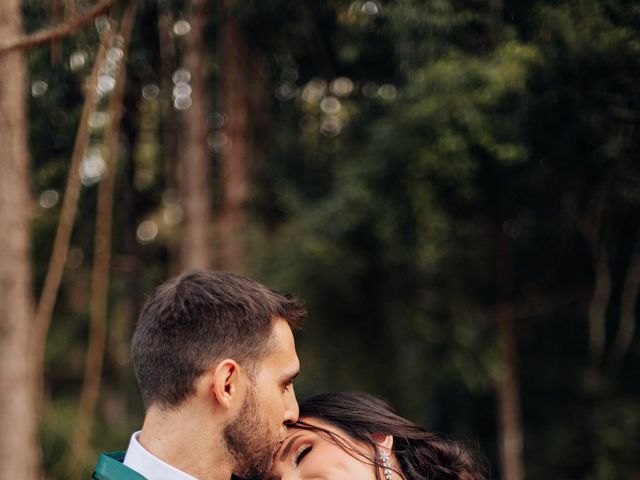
628 306
593 225
194 155
98 306
509 421
19 450
261 103
46 303
57 14
56 32
598 315
168 62
509 397
234 162
127 275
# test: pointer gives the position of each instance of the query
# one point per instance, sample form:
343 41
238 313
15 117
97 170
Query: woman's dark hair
421 455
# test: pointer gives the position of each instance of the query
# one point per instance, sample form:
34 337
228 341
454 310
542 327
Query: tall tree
100 275
168 58
19 452
234 164
195 191
507 388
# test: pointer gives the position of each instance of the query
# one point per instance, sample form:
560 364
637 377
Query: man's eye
303 453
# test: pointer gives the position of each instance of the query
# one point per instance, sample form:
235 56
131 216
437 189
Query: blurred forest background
452 186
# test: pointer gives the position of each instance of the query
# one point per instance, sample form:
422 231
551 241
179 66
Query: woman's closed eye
302 452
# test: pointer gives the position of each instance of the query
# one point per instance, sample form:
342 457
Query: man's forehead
282 348
281 336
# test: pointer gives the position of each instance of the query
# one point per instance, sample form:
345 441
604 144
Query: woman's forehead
316 427
316 424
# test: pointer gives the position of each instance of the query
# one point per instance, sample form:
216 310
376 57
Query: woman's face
311 454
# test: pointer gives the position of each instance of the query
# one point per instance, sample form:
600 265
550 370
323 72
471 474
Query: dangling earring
386 464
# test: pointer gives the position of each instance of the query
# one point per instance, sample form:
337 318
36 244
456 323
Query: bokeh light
371 8
331 126
102 24
170 196
39 88
98 120
75 257
150 91
172 215
286 91
182 90
181 75
48 198
115 54
147 231
387 92
217 120
341 86
181 27
106 83
182 103
92 167
330 105
77 60
314 91
218 142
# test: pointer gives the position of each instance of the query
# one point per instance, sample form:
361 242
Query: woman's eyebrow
287 447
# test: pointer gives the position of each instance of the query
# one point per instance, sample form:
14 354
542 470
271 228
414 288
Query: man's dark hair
197 319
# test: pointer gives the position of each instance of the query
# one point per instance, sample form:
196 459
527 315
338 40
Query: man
215 360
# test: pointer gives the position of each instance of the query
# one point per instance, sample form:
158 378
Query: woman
356 436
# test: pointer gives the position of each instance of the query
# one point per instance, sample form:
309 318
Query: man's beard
250 440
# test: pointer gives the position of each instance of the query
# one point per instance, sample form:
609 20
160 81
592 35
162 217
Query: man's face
256 433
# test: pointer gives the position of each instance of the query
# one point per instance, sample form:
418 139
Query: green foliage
405 139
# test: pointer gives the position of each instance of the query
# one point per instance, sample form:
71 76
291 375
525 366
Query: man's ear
384 442
225 381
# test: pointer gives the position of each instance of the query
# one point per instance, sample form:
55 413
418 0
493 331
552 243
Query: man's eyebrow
287 447
289 378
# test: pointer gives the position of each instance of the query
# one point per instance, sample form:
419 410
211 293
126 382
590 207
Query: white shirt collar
150 466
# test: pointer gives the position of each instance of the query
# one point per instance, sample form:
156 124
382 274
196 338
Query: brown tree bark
509 397
68 211
168 62
57 13
598 305
508 388
234 166
98 304
592 223
260 107
194 177
628 303
54 33
71 7
19 450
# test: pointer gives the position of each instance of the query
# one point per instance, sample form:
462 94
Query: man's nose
291 410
